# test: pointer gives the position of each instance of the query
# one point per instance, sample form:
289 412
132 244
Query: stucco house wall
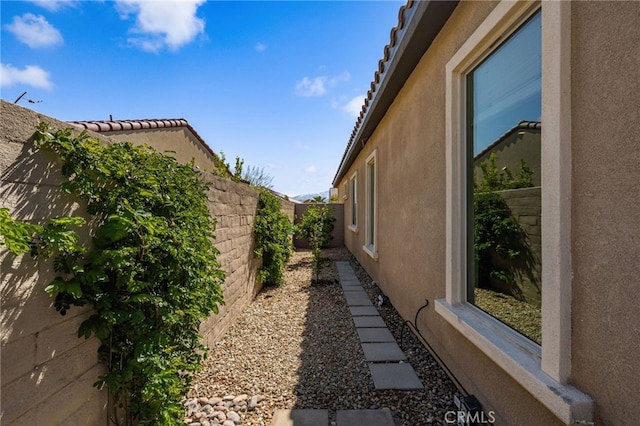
411 166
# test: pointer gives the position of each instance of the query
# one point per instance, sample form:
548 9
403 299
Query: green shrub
271 230
501 246
316 226
151 275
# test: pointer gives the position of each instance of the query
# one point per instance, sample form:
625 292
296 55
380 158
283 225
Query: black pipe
439 360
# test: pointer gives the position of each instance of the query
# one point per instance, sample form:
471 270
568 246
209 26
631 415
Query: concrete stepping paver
358 301
363 311
364 418
369 322
375 335
381 351
385 351
300 417
399 376
355 293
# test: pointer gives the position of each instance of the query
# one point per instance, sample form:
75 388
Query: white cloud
260 47
311 169
345 76
162 23
34 31
55 5
31 75
307 87
354 106
302 146
318 86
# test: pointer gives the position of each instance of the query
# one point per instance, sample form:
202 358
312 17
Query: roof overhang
419 24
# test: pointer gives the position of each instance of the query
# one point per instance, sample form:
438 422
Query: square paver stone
364 311
375 335
364 417
351 283
358 300
385 351
371 321
355 292
302 417
395 376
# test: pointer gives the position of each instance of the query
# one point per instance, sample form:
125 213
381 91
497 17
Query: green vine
271 230
151 274
501 246
316 226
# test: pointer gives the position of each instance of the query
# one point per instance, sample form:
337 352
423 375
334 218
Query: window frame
353 190
543 370
370 242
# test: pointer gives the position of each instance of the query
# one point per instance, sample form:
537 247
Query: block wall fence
337 235
46 371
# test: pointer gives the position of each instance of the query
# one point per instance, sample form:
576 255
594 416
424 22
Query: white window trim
542 370
372 248
353 180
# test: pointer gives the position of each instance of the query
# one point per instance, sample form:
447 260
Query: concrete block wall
526 207
47 372
337 234
233 206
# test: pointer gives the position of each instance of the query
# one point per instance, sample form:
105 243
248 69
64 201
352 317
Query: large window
503 101
499 100
371 196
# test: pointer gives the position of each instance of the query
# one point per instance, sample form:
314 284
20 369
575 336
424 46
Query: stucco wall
47 372
180 140
605 214
410 146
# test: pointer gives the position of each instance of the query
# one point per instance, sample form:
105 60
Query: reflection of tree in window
503 131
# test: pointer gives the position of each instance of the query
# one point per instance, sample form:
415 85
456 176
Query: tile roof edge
103 126
537 125
393 40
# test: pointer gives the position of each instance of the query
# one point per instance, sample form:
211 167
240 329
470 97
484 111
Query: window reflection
504 165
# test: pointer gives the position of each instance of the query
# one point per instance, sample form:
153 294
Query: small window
371 196
353 184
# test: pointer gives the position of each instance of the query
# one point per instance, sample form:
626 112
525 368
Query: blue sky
279 84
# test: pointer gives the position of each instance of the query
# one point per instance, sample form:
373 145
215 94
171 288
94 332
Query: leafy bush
316 226
151 275
271 230
500 244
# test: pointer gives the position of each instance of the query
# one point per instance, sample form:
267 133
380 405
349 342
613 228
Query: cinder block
18 358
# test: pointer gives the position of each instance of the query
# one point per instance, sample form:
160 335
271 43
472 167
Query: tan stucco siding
605 213
410 151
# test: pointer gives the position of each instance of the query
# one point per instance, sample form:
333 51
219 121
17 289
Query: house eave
419 24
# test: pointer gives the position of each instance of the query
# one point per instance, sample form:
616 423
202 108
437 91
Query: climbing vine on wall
151 274
272 233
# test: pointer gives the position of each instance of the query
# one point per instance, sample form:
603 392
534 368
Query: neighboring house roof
523 125
419 22
131 125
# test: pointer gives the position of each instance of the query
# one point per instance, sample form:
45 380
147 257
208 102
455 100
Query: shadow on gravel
334 374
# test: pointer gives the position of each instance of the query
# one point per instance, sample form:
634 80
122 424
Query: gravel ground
297 347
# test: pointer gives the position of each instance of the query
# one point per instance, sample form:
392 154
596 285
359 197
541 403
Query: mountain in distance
305 197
